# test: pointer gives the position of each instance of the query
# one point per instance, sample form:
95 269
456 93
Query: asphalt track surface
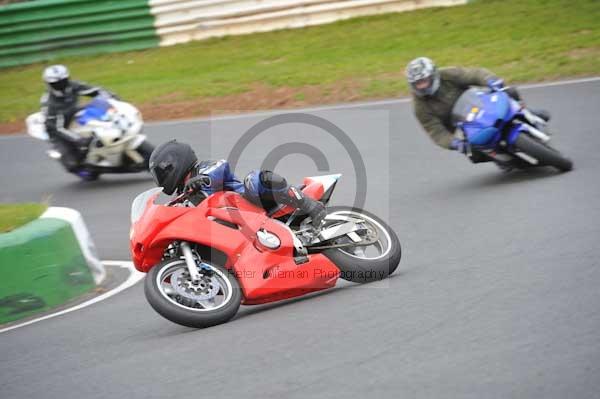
497 294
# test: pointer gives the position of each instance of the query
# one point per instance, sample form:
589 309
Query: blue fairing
482 115
481 137
94 110
514 133
484 129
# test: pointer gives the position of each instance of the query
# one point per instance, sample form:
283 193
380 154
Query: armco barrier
42 265
46 29
180 21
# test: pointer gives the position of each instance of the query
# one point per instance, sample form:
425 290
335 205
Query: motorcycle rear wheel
173 295
368 263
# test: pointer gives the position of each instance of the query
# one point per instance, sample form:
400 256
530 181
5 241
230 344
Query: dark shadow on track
250 310
513 177
247 311
494 180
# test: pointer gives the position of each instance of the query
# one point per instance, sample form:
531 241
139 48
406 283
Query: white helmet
423 76
56 76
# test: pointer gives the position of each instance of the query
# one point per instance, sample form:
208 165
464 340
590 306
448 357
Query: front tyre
87 175
145 149
545 155
363 264
212 300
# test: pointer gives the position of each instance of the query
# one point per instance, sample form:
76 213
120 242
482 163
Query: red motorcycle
206 257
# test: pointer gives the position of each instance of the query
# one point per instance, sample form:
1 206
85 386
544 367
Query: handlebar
180 198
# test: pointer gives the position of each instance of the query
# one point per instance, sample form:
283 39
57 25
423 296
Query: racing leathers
59 108
261 187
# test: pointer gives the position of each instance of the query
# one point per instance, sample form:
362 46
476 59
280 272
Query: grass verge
16 215
520 40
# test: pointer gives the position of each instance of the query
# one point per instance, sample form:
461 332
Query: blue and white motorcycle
117 145
503 131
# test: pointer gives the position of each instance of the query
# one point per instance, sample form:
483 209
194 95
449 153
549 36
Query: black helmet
423 76
170 162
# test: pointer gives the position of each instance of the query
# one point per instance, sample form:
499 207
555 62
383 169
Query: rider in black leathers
59 105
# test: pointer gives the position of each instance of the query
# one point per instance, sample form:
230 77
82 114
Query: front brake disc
205 288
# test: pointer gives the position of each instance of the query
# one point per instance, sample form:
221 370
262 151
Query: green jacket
434 112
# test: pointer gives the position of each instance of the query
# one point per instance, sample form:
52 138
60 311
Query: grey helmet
419 71
56 77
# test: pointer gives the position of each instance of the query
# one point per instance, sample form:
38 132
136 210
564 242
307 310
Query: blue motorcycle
501 130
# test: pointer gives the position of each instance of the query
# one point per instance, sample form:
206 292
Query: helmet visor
160 173
59 85
423 84
426 86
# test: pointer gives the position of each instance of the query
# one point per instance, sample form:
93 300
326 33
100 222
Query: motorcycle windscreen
469 101
481 114
139 204
96 109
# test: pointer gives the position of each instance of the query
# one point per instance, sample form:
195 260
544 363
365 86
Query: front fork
524 128
191 262
186 251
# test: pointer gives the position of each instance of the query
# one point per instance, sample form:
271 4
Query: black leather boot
314 209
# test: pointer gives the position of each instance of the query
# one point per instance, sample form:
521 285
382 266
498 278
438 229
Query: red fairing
227 222
313 188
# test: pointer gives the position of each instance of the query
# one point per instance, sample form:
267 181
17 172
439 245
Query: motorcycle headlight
268 239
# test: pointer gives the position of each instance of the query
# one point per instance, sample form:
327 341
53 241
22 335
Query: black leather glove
197 183
459 145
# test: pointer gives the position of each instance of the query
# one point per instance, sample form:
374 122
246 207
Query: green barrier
47 29
42 266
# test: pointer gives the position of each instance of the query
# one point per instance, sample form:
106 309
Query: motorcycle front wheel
545 155
145 149
212 300
363 264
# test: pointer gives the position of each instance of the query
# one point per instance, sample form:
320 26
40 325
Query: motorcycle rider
175 167
59 106
435 91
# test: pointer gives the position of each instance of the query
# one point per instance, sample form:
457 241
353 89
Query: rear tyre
369 263
87 175
213 300
145 149
546 155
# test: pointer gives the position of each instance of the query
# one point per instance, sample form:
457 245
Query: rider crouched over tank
175 167
435 92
